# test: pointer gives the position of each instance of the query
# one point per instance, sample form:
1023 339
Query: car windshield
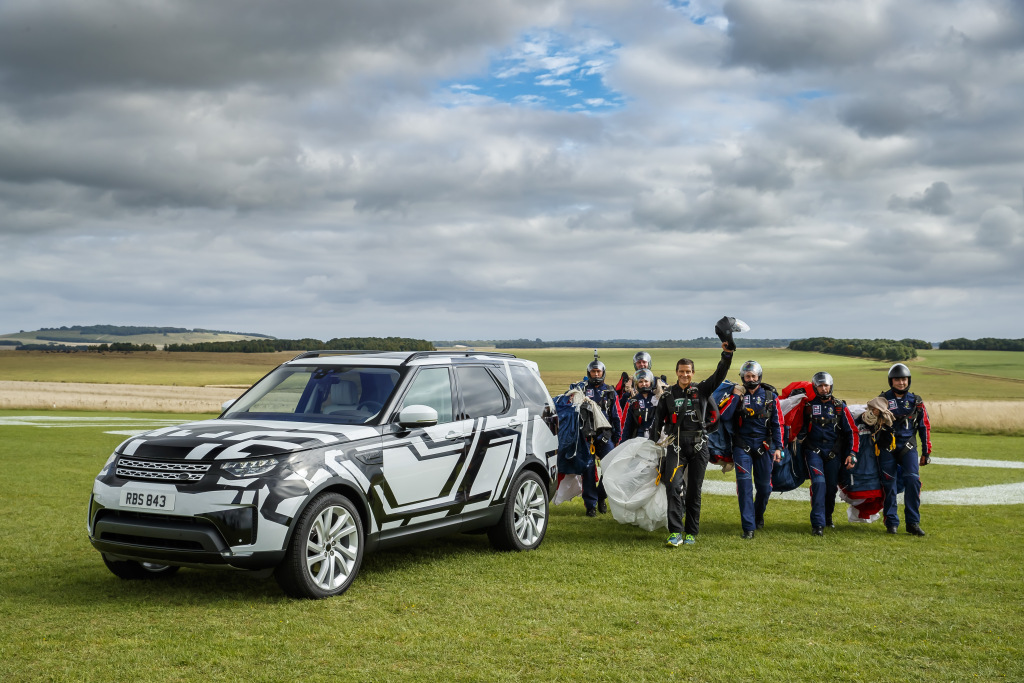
339 394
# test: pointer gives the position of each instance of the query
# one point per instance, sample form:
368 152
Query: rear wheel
525 519
326 550
132 570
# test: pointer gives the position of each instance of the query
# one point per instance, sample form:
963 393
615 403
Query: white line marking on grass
971 462
50 421
997 494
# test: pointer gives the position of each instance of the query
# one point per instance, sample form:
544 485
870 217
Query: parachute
631 482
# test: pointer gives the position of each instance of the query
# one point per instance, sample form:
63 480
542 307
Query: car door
421 465
497 426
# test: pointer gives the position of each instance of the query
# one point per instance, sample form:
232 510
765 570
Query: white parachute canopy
630 480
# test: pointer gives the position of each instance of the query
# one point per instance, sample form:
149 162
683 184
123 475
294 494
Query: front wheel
326 550
525 518
132 570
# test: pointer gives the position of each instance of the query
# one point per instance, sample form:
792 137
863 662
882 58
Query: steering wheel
374 406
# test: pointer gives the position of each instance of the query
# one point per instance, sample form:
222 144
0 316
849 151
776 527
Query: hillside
106 334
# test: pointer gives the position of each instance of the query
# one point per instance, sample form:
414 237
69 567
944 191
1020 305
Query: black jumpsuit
679 414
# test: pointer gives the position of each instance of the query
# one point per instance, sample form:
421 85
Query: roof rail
339 352
426 354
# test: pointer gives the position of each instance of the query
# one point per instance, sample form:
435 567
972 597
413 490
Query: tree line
698 343
882 349
338 344
983 344
123 347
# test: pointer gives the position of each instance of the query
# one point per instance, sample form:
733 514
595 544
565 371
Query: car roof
395 358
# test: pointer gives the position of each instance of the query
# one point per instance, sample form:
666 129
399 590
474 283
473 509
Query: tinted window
529 386
432 387
481 395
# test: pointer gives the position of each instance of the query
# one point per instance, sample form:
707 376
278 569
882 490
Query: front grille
154 470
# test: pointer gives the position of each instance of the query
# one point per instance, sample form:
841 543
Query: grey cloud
754 170
999 227
936 200
189 44
881 117
713 209
780 35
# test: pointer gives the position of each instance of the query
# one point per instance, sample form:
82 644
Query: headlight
249 468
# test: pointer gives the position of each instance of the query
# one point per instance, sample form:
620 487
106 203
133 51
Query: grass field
598 601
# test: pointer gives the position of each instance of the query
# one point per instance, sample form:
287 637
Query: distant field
149 367
76 337
982 399
936 376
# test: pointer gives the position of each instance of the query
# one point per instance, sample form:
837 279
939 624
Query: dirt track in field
117 397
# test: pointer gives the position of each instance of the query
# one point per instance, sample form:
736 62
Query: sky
561 169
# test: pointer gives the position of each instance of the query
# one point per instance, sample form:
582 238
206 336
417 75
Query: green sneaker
674 540
689 540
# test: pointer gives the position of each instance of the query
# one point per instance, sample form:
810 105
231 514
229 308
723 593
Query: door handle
514 423
454 435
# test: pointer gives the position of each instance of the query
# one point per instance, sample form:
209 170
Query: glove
925 459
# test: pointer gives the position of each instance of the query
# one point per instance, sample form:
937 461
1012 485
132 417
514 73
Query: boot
915 530
602 507
747 535
817 531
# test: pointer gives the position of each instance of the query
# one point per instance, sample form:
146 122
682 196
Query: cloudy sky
514 168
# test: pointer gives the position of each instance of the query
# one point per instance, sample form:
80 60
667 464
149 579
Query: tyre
132 570
326 549
525 519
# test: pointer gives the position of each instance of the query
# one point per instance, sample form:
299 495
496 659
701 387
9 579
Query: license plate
147 500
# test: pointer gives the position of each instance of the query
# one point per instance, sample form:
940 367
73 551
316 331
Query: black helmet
751 366
899 370
822 378
639 356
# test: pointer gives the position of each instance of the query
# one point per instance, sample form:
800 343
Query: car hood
236 439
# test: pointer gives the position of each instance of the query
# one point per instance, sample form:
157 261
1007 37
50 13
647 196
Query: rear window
481 395
529 387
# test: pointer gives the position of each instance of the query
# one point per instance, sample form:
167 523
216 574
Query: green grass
598 601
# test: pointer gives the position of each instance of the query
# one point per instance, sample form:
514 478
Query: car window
342 394
481 395
432 387
529 386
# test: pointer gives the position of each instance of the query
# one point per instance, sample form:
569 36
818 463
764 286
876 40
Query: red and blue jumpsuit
827 438
757 434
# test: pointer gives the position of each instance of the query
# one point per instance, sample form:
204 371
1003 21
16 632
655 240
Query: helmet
822 379
899 370
639 356
754 367
598 365
644 374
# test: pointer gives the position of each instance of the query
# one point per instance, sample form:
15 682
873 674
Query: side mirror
417 416
227 404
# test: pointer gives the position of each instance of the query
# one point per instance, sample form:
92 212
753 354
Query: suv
331 455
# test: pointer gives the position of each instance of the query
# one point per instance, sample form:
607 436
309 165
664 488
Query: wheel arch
351 491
